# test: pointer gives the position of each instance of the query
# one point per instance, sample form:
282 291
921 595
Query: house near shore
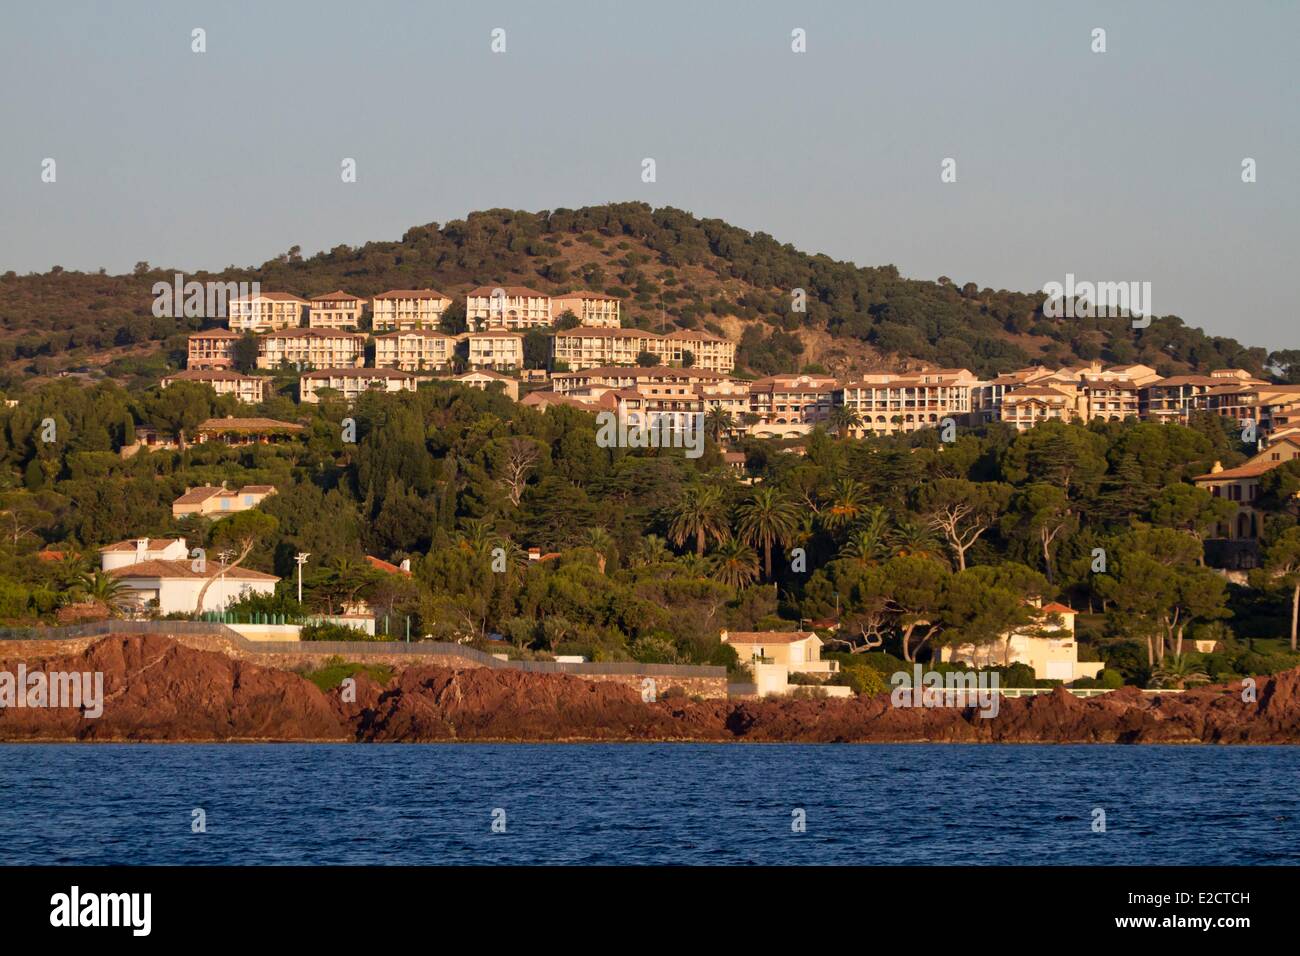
1234 544
123 554
172 586
1048 646
772 656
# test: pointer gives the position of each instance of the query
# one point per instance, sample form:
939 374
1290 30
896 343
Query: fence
355 649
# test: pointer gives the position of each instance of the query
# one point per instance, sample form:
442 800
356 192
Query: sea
700 804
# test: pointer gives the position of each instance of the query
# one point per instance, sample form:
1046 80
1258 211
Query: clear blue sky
1116 166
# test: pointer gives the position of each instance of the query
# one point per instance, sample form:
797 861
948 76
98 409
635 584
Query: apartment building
1034 404
634 376
1273 408
310 348
266 312
888 402
506 307
351 383
785 405
1174 399
1242 483
591 309
401 310
414 350
500 351
214 348
251 389
583 348
1109 399
335 310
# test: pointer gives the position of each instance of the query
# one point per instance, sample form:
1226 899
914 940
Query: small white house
174 586
138 550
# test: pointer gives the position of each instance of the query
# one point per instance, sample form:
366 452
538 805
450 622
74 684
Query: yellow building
583 348
266 312
250 389
415 350
501 351
1241 484
214 502
888 402
212 349
592 309
772 656
506 307
351 383
335 310
401 310
310 348
1048 646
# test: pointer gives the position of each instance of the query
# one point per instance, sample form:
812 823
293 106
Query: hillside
671 268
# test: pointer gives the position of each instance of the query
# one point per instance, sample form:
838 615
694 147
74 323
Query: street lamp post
300 559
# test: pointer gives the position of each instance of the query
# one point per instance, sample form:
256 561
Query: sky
1117 166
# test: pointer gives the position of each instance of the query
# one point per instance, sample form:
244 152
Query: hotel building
335 310
266 312
351 383
591 309
582 348
247 388
214 348
400 310
414 350
887 402
506 307
500 351
310 348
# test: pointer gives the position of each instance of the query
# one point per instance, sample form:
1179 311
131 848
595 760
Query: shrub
334 632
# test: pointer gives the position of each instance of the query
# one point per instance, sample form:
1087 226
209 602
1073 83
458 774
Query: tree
962 510
848 503
1282 566
244 353
718 422
697 514
243 531
518 458
734 564
843 419
1042 512
647 359
767 518
178 409
104 588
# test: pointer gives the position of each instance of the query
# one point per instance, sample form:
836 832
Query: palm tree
600 541
697 514
866 544
848 501
718 422
912 538
650 550
1178 672
734 564
767 518
844 418
105 589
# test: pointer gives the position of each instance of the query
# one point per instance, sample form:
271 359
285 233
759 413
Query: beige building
310 348
484 379
266 312
634 377
1241 485
214 348
415 350
790 404
1048 646
583 348
500 351
1034 404
351 383
887 402
335 310
506 307
214 502
251 389
138 550
592 309
772 656
247 431
401 310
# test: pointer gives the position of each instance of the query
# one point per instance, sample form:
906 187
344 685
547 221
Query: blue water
648 803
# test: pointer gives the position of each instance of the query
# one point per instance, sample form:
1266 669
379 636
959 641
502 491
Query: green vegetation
335 670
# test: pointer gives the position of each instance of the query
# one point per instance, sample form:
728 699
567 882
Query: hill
671 268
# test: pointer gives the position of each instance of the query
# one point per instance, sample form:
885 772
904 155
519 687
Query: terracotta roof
767 637
494 335
335 295
208 375
273 296
1035 391
359 373
687 335
380 564
159 568
412 294
217 334
1058 608
423 333
585 295
585 331
482 371
637 371
300 333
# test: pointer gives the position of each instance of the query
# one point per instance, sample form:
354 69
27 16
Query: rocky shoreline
156 690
